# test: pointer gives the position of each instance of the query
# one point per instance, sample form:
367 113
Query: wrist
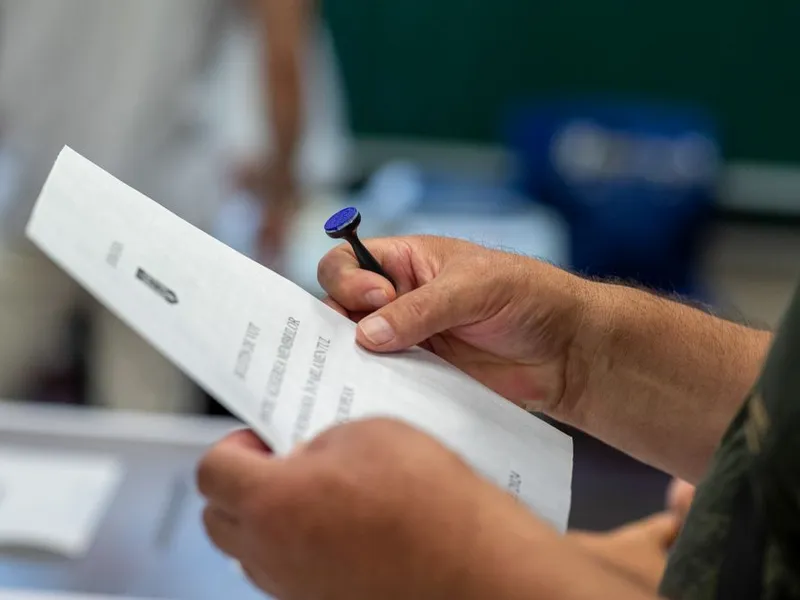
499 562
596 305
647 366
519 557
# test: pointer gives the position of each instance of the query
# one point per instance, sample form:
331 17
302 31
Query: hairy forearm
659 379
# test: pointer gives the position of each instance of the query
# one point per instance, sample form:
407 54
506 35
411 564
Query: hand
638 551
376 509
509 321
629 367
371 509
274 183
680 496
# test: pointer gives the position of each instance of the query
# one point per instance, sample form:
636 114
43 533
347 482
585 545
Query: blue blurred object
407 199
635 183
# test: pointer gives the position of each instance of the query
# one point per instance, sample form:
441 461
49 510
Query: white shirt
125 83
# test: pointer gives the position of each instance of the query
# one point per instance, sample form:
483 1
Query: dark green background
444 69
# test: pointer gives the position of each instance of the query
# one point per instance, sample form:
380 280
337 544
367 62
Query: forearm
524 559
285 28
659 379
282 81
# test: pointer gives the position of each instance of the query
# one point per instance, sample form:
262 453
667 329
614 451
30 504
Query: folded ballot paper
273 354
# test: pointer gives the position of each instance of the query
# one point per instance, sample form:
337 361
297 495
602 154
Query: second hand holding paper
274 355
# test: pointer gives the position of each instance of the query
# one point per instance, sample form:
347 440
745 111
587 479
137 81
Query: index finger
233 470
357 289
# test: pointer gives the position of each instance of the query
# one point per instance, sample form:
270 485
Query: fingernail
377 298
377 330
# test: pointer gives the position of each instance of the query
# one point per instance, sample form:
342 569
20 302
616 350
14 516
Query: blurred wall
445 69
754 269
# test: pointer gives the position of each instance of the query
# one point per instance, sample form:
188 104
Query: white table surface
150 543
101 424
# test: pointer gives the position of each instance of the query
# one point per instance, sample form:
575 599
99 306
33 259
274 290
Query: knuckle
327 438
418 308
376 427
208 521
205 474
369 437
324 271
212 525
329 265
366 427
350 442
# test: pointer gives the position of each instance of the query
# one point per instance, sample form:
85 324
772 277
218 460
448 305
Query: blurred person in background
126 84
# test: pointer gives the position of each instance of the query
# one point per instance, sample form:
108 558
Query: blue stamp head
343 223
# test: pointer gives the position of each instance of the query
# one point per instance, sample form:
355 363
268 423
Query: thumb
414 317
680 495
662 529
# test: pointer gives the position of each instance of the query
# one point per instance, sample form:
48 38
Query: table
150 543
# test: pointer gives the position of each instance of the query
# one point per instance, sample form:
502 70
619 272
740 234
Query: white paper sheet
54 501
273 354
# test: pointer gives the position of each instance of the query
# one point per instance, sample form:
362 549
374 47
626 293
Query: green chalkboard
446 68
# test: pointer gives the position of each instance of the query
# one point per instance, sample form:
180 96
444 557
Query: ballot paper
273 354
54 501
